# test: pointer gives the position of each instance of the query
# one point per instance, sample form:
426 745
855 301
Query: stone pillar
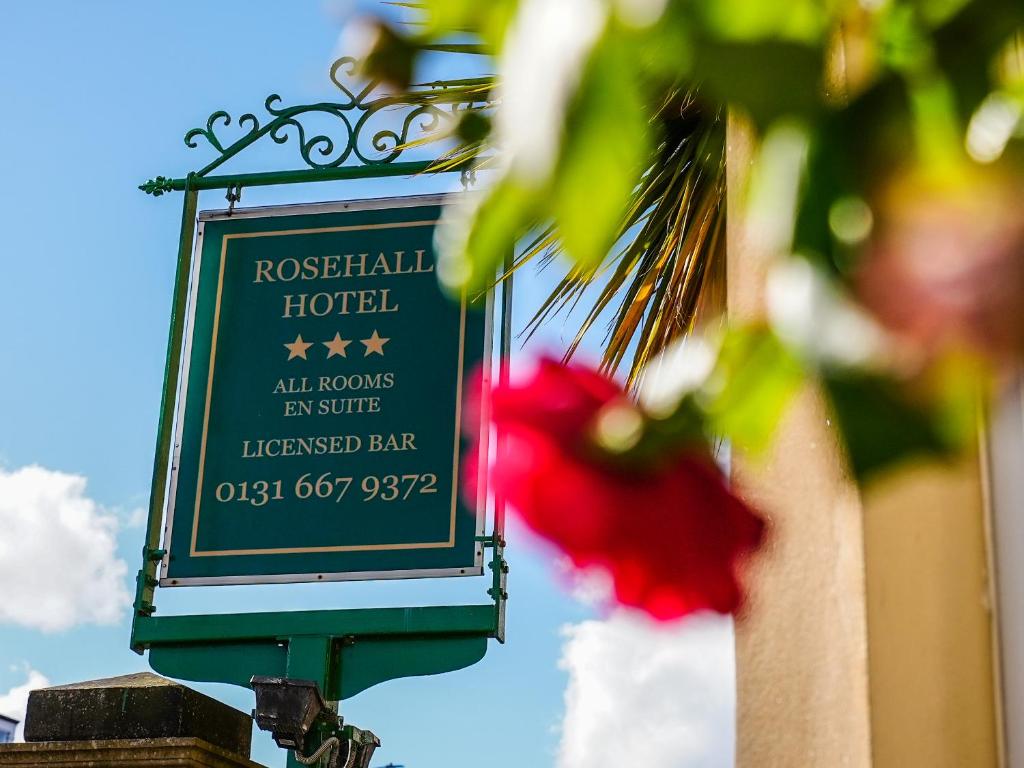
137 719
801 651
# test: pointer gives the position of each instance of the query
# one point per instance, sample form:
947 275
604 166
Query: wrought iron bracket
371 132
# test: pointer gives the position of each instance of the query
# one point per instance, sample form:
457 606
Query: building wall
1006 451
7 731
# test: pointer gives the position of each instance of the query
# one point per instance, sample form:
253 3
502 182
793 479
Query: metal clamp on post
294 711
331 745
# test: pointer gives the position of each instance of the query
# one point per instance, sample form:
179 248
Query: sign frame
302 209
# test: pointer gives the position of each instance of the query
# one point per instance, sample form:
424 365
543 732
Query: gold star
298 348
336 346
374 344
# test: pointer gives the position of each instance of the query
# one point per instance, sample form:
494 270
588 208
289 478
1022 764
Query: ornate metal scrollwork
416 114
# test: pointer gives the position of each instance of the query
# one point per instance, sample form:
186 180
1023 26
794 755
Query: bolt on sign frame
344 650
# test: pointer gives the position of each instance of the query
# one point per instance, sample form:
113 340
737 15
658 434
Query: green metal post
499 566
313 658
310 658
146 581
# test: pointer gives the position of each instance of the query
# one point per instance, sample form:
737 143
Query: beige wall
868 639
930 644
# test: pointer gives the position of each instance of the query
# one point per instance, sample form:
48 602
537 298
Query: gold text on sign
327 445
364 302
385 488
333 406
336 267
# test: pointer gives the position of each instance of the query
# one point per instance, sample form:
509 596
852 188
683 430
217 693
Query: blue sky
96 98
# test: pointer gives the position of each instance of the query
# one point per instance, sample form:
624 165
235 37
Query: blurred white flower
640 13
679 369
992 126
541 63
774 187
454 268
807 312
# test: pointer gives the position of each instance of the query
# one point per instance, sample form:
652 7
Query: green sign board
320 433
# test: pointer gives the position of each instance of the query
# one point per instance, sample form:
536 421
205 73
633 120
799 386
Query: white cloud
644 695
136 517
58 561
14 701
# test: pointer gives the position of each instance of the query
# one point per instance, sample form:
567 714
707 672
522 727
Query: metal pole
499 567
146 581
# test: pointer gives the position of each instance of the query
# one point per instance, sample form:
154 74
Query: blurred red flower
669 535
946 264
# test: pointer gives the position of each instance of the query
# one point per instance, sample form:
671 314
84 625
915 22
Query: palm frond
661 275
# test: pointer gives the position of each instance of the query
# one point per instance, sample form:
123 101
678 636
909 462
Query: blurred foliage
747 393
883 423
608 143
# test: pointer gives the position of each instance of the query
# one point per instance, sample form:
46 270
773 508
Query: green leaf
770 79
958 382
474 126
605 144
881 425
934 12
966 46
490 19
471 252
854 150
755 379
391 58
803 20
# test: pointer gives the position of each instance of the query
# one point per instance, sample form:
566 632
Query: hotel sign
320 430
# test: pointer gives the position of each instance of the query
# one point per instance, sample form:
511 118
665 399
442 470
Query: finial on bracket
157 186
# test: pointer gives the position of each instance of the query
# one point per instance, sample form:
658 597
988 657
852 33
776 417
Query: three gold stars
337 347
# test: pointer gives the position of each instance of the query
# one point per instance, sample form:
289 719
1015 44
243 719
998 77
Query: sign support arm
162 184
